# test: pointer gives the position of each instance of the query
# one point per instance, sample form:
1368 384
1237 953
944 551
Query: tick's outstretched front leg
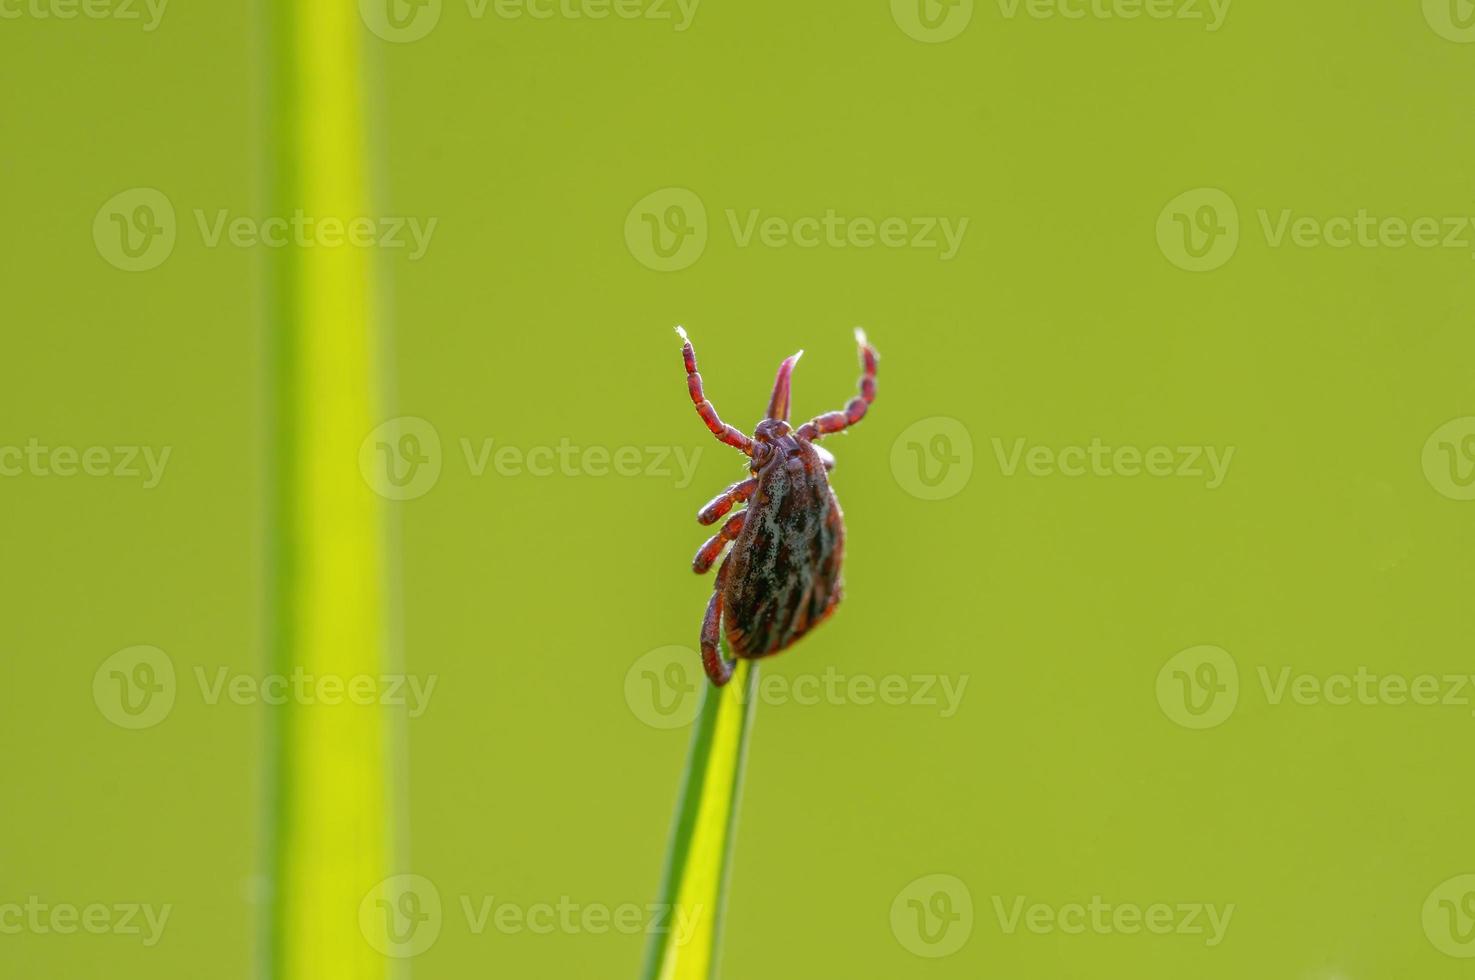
719 670
855 409
724 432
724 501
708 552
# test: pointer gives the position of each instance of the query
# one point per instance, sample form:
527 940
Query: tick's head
771 431
774 439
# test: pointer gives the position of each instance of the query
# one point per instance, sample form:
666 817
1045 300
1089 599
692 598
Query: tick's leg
724 432
855 409
719 670
826 457
709 551
724 501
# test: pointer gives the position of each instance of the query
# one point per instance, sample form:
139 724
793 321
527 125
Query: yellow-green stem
330 828
702 834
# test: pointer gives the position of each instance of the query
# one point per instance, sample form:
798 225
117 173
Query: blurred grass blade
329 821
702 835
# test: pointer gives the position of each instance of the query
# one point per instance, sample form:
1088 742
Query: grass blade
703 831
329 826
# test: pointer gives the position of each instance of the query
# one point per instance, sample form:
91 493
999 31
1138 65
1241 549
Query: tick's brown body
782 576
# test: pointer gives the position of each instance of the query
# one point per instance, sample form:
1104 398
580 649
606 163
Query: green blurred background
533 776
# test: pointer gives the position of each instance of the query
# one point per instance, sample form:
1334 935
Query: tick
781 577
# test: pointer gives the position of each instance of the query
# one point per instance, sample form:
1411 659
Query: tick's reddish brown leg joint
724 432
709 551
855 409
724 501
718 670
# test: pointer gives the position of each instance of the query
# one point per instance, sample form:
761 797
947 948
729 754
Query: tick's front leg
718 670
724 432
855 409
724 501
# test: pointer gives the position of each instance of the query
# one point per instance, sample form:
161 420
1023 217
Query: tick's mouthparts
778 405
